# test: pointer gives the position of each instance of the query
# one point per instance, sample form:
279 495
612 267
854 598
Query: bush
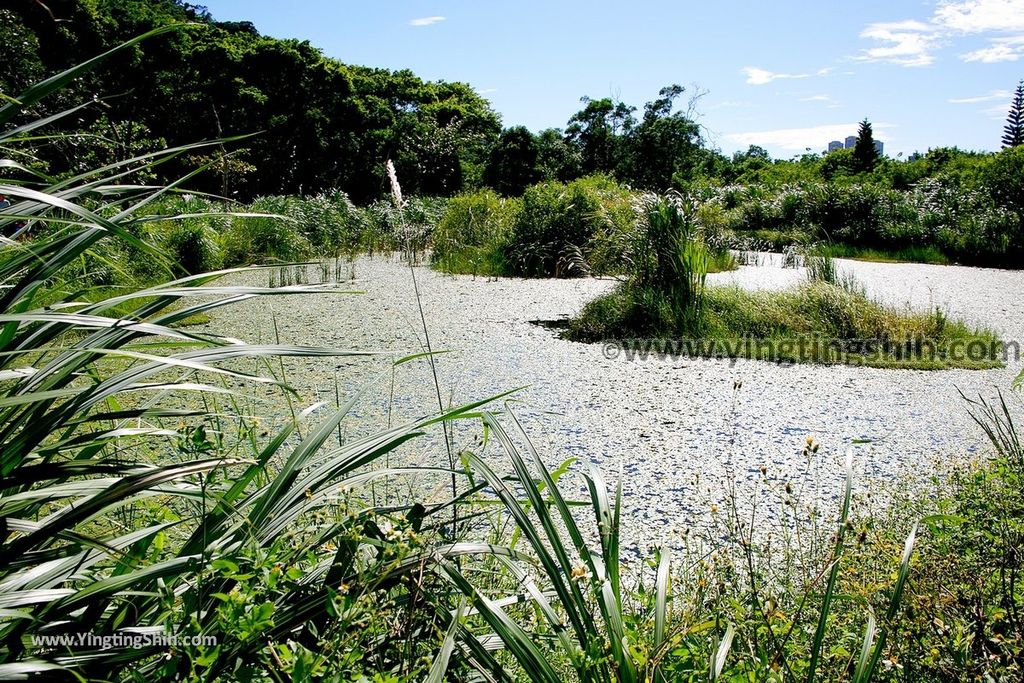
669 257
331 223
410 229
969 214
193 246
473 233
186 227
571 230
1003 178
251 239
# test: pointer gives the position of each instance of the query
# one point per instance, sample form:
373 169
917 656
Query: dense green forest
321 124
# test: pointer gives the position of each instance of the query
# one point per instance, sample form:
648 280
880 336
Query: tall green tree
865 155
745 166
598 130
663 145
1013 132
557 158
513 162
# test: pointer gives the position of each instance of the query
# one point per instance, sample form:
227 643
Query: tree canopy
315 124
321 123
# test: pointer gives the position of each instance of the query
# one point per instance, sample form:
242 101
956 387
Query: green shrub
331 223
187 228
821 268
571 230
251 239
424 212
669 258
389 229
713 217
472 235
193 246
759 210
1003 178
968 214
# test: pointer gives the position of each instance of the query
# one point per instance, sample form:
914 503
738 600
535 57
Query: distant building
851 142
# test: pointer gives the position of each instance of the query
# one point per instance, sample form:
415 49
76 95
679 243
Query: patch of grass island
665 306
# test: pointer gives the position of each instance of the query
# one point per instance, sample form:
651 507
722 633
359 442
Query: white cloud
426 21
824 99
913 43
994 95
486 91
999 50
908 43
799 139
998 112
980 16
756 76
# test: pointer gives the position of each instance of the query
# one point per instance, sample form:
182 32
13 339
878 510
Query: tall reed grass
118 524
670 259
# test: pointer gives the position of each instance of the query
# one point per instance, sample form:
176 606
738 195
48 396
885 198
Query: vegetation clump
473 233
828 319
946 206
586 227
570 230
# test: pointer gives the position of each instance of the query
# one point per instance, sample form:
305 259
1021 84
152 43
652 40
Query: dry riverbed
676 429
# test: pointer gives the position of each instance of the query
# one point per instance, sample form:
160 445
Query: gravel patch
677 430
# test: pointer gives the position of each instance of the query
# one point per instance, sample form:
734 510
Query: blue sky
784 75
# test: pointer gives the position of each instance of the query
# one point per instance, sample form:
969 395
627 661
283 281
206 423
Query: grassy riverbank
929 255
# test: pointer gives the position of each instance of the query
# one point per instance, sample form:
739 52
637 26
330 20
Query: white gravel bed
664 424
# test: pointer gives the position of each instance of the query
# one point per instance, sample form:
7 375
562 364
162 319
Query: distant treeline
322 126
